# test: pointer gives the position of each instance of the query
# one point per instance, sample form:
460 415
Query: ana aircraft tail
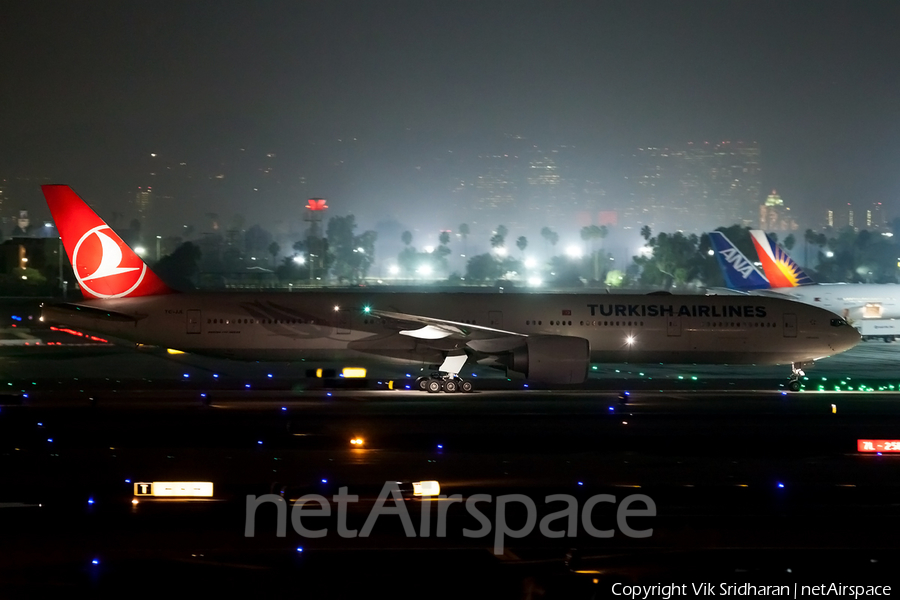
104 265
780 269
738 271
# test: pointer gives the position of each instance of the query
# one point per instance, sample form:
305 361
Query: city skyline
381 110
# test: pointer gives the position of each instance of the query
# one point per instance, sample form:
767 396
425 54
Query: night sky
89 89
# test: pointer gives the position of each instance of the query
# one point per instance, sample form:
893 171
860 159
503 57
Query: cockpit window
839 323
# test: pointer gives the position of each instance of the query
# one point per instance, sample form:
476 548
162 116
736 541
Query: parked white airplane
783 276
549 338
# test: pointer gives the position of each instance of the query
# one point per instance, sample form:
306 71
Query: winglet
738 271
104 265
781 270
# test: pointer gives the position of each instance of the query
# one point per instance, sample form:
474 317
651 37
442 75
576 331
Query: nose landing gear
796 373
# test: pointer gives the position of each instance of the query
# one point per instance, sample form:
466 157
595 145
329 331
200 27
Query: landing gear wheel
466 386
794 386
433 386
422 384
451 387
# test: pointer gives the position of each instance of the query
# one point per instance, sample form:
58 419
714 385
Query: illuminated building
695 187
775 216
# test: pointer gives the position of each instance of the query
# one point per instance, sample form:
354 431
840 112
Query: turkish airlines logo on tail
106 267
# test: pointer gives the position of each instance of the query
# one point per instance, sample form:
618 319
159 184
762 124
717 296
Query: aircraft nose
848 338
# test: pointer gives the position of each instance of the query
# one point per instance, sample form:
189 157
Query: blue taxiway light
246 385
440 446
299 548
187 375
269 375
49 439
127 481
284 408
781 485
203 395
90 500
580 483
324 481
526 385
407 387
40 424
215 375
259 442
95 561
328 394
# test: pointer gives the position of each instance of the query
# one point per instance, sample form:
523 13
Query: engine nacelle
552 359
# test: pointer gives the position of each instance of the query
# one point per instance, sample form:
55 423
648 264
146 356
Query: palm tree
274 249
550 236
646 233
522 243
406 237
464 232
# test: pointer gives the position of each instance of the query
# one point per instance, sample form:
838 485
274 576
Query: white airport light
829 254
300 259
429 249
573 252
393 269
711 252
530 263
424 270
629 340
534 281
140 250
426 488
500 250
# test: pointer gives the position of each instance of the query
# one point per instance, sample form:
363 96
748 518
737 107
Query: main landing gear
451 382
796 373
443 383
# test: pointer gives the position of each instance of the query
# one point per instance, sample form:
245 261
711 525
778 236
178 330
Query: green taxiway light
679 377
694 377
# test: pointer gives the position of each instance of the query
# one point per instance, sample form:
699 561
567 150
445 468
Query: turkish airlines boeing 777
550 338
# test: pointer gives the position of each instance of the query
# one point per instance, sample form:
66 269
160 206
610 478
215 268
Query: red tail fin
104 265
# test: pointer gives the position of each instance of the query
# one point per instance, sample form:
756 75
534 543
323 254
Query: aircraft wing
764 293
430 328
720 291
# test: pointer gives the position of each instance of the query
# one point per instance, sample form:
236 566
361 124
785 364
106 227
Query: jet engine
558 359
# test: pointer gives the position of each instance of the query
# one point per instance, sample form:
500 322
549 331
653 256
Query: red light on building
878 445
316 204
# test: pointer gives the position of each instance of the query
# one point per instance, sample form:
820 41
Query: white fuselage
336 325
853 301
